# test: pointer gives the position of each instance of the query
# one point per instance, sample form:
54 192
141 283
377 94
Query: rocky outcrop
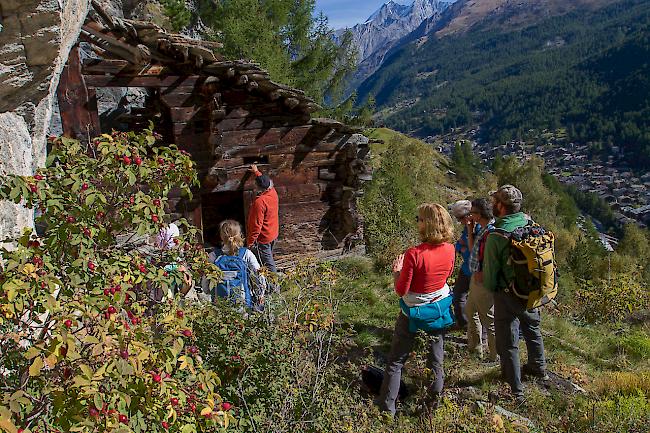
35 39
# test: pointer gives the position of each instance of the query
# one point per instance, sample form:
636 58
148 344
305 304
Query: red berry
91 266
107 292
20 430
111 310
124 353
100 215
138 161
180 314
112 290
193 407
156 377
154 218
123 419
177 241
39 177
142 268
132 199
87 232
193 350
93 412
118 288
174 401
226 406
126 160
43 284
84 186
187 333
33 188
165 425
156 202
161 161
68 323
70 219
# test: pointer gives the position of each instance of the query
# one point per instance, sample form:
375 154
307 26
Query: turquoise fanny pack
429 317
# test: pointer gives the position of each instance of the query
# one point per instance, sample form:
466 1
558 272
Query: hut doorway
220 206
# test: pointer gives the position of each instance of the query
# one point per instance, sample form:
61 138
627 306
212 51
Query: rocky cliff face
383 31
35 39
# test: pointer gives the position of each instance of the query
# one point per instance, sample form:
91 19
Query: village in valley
626 192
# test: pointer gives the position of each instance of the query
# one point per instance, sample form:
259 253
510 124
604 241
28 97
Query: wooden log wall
314 167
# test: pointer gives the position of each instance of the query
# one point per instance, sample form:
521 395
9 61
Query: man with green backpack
519 267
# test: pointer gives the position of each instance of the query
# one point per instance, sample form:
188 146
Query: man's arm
492 261
255 222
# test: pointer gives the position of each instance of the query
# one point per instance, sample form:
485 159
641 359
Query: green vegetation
595 81
82 346
407 173
284 37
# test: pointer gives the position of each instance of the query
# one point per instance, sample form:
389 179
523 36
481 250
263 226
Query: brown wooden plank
105 66
75 103
260 137
143 81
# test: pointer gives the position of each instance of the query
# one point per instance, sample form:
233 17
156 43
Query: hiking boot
519 400
527 370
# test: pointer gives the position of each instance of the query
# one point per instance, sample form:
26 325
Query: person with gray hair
510 312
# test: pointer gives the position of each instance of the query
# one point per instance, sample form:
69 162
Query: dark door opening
218 207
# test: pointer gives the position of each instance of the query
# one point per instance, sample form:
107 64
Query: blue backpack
234 285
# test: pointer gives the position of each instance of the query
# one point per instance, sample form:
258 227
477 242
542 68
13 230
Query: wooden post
78 106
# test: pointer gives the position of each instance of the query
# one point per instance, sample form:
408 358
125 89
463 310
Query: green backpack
532 257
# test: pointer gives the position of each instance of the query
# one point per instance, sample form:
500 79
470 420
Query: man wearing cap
462 210
510 312
262 227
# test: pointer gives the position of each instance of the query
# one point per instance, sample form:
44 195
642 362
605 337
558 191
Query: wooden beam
77 105
143 81
101 67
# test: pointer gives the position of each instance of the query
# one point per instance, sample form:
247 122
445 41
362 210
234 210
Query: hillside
584 70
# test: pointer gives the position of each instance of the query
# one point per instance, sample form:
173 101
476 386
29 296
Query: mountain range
375 37
520 65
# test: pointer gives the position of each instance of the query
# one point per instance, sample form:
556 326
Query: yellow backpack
532 257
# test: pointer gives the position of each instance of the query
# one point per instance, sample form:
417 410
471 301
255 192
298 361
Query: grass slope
613 366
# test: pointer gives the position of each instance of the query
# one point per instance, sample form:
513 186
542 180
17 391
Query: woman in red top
420 277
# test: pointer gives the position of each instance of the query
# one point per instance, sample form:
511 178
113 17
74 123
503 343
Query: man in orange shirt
263 226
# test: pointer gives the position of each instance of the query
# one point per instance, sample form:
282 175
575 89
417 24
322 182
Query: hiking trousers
461 287
480 314
401 346
264 253
510 314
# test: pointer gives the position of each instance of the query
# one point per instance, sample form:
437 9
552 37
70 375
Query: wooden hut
227 115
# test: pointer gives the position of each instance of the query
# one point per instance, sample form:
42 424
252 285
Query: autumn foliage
84 346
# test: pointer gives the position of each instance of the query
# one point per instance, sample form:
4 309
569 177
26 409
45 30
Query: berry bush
84 346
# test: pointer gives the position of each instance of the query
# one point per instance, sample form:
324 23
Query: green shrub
613 299
408 177
278 374
82 346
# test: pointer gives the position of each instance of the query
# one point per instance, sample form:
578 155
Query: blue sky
342 13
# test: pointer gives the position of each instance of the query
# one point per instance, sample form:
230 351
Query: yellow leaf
7 425
50 361
142 356
497 421
206 411
36 367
